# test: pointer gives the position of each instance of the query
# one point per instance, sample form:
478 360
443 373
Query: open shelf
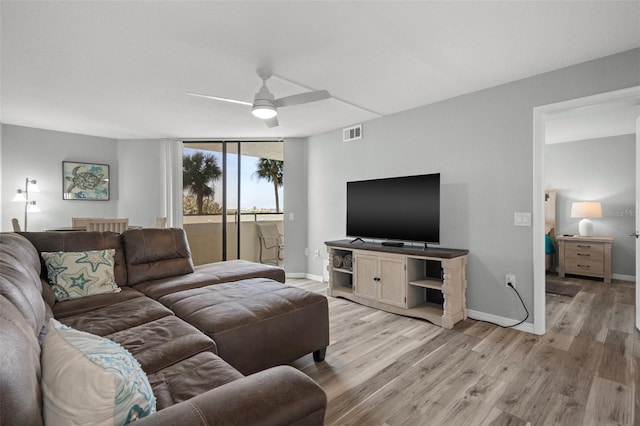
427 283
428 308
344 271
341 291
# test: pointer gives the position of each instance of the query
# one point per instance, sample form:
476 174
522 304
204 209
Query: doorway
229 186
541 115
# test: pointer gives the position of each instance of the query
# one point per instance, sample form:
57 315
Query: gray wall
597 170
38 154
141 181
481 144
136 168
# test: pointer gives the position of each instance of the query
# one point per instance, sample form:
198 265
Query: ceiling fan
264 105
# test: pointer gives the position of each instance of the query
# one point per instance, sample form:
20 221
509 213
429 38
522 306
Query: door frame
637 220
539 118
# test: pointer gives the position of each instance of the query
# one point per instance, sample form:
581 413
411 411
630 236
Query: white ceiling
121 69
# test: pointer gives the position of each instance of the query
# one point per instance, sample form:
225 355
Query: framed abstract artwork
85 181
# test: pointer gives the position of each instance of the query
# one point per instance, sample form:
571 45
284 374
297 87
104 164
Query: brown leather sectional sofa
213 340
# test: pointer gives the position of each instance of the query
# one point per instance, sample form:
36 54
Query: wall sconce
586 210
30 185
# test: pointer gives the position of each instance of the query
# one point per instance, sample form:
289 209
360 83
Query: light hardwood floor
385 369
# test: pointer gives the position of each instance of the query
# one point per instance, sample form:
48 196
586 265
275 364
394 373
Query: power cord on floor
523 305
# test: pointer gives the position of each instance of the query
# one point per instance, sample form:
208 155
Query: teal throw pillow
78 274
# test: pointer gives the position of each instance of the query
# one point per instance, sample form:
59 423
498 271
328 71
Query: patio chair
270 242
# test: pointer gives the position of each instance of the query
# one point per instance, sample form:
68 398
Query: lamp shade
19 196
32 207
586 209
32 185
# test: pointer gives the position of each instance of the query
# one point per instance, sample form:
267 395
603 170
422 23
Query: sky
255 193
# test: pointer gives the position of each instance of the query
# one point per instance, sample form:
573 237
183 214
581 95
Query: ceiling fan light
264 111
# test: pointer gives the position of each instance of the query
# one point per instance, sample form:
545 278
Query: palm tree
271 171
199 170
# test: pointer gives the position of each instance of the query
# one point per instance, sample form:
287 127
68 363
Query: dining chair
81 222
271 241
16 224
114 225
161 222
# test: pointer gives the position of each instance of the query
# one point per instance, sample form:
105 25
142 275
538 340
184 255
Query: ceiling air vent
352 133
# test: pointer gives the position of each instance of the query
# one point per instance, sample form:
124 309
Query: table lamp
586 210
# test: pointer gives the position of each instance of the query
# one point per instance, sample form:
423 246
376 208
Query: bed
550 228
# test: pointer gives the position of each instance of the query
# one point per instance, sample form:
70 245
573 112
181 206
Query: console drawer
584 255
584 267
593 251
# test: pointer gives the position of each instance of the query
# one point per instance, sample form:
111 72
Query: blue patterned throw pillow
78 274
90 380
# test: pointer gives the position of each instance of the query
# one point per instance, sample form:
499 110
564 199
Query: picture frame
85 181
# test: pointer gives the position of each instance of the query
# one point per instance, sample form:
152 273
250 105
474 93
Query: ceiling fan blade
271 122
302 98
234 101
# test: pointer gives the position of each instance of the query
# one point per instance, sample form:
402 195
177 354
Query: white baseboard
303 275
293 275
482 316
624 277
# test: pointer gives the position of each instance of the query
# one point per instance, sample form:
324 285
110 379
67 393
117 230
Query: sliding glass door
230 186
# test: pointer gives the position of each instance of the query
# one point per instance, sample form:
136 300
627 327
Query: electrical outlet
316 253
510 279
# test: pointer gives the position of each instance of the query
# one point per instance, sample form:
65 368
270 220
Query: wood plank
614 364
386 369
476 402
562 331
609 403
564 411
622 317
578 368
498 417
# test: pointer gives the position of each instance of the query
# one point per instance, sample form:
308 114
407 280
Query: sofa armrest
277 396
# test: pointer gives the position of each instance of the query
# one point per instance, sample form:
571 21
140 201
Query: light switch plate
522 219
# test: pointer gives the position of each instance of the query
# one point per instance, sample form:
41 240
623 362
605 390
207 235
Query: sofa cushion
253 321
117 317
88 379
152 254
20 368
21 248
237 270
212 273
189 378
163 342
86 304
19 285
81 241
73 275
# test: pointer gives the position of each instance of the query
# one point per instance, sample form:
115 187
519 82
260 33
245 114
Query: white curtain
173 182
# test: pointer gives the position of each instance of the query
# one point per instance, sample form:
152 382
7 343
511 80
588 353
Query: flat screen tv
400 209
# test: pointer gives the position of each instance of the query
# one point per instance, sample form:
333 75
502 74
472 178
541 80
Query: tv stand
427 283
392 244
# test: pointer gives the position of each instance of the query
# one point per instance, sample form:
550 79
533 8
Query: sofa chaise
212 341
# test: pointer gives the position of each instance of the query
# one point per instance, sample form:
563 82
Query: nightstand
587 256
